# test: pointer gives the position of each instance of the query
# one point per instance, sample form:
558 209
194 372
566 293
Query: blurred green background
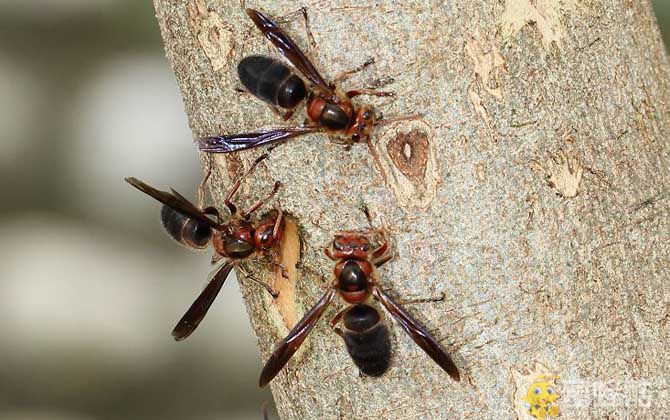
90 284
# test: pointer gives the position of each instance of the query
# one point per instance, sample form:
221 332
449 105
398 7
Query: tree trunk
532 193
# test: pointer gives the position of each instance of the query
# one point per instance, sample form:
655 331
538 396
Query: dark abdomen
367 340
370 350
186 231
272 81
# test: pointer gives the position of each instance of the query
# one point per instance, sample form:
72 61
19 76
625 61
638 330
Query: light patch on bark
481 111
214 36
545 14
284 311
489 65
563 172
645 121
289 257
406 151
480 172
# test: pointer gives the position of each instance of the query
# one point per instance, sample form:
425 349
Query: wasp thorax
334 118
238 247
265 236
235 241
352 277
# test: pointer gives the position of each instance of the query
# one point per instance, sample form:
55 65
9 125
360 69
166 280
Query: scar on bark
215 36
409 151
406 151
562 172
289 255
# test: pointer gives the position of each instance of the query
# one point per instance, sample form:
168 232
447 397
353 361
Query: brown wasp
235 240
364 334
329 108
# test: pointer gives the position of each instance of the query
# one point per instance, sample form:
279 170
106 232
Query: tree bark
532 193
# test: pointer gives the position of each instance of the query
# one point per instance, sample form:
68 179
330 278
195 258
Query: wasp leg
270 289
236 186
433 299
311 42
201 188
257 204
345 74
333 322
369 92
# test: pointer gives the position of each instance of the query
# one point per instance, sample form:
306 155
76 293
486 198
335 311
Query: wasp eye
356 137
367 115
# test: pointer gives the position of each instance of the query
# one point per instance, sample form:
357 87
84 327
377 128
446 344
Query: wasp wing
418 333
289 345
289 49
191 319
174 200
244 141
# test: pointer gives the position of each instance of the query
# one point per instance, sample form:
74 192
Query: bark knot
409 153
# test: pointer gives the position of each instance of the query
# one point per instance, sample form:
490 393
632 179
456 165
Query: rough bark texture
533 193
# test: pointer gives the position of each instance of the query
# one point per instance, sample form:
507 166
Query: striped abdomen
185 230
272 81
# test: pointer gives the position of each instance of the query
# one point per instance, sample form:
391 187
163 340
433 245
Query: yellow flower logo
536 395
541 397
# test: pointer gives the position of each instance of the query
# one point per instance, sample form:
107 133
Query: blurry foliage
662 8
61 52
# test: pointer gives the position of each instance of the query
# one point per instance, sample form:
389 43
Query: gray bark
535 197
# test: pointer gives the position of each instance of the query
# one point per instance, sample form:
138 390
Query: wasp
365 335
234 240
329 108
